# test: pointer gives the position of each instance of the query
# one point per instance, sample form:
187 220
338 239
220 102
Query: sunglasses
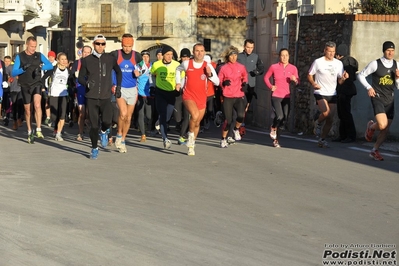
100 43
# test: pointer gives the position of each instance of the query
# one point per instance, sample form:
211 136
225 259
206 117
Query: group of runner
108 86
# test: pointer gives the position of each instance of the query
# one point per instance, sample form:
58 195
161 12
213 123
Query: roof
222 8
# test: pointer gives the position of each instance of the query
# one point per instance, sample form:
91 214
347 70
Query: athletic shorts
381 108
27 93
198 98
329 99
130 95
80 95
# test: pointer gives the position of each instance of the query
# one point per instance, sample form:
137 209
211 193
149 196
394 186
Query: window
207 44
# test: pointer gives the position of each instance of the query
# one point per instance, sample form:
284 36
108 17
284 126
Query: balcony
110 30
155 30
19 10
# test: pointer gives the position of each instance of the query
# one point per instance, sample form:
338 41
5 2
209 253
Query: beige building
152 24
20 19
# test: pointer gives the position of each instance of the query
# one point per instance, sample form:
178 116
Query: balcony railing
112 30
155 30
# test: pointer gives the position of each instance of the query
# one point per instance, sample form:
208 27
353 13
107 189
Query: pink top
237 74
282 79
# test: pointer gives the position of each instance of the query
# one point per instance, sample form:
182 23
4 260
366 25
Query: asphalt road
249 204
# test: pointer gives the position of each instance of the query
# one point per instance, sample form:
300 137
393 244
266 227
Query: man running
28 67
194 96
127 60
385 77
96 73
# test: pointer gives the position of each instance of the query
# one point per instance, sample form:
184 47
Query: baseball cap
51 53
185 53
99 37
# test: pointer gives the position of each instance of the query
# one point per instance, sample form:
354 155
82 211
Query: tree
383 7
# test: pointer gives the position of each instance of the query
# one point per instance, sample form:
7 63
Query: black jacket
351 67
96 74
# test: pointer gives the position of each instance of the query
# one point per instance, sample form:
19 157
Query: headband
127 41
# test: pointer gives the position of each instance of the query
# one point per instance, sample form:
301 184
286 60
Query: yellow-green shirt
165 75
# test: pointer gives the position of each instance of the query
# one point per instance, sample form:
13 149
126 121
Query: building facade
20 19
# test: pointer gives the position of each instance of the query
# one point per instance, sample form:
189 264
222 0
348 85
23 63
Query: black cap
185 53
342 49
145 52
159 51
388 45
166 49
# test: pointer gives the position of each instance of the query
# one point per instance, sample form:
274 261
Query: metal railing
112 30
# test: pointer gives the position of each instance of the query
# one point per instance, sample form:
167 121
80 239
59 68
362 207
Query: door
157 19
106 15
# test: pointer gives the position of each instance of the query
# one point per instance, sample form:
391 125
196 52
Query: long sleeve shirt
281 79
371 68
237 74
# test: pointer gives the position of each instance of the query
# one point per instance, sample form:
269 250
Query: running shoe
223 143
276 144
118 141
273 133
219 118
39 135
230 141
243 130
47 121
368 135
167 144
79 137
181 141
143 138
191 151
123 149
376 155
104 138
6 121
94 154
237 135
58 137
317 128
31 138
323 144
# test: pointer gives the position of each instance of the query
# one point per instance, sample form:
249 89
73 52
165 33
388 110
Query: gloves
118 92
226 82
254 73
5 84
244 87
25 67
37 73
152 91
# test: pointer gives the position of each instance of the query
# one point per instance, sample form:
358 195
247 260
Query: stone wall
314 32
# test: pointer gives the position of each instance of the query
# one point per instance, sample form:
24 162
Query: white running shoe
223 143
237 135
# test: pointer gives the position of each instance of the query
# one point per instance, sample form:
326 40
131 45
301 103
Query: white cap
99 37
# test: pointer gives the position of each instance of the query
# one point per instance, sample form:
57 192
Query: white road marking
315 140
